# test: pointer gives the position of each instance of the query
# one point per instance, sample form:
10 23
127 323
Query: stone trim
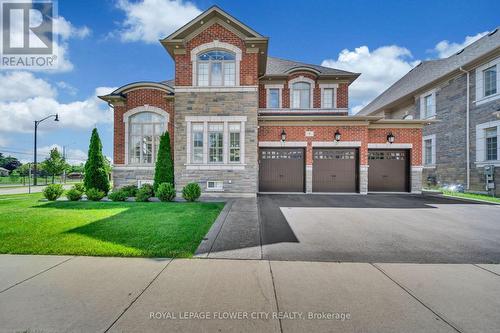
215 45
390 146
481 142
132 167
309 177
230 89
480 98
336 144
363 179
280 95
220 119
333 86
136 110
311 111
283 144
431 137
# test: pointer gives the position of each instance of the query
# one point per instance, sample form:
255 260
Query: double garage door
283 170
334 170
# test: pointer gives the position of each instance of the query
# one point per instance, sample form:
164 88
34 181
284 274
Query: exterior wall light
337 136
283 135
390 138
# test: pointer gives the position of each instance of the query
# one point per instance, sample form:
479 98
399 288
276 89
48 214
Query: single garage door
281 170
335 170
388 170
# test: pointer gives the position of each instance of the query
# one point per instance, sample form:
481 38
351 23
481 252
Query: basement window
215 185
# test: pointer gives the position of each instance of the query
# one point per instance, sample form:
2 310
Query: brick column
363 179
309 178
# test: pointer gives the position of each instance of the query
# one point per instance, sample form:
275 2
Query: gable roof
428 72
279 67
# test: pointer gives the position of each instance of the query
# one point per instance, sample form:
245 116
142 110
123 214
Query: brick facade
248 64
137 98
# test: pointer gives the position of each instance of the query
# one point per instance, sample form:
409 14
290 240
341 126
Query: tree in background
164 168
96 174
9 162
55 164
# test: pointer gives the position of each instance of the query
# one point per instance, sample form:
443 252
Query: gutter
467 130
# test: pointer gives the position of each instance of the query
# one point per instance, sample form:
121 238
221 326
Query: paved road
357 228
91 294
25 189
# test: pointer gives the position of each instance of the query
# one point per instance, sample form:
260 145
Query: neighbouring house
4 172
462 93
243 122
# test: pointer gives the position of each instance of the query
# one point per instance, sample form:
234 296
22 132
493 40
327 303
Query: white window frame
126 121
333 86
218 185
298 79
433 151
226 164
481 143
432 94
280 96
215 45
480 98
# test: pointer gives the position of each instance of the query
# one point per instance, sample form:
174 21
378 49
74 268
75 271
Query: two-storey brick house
244 122
461 92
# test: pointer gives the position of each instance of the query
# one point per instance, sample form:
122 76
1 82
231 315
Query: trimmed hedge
191 192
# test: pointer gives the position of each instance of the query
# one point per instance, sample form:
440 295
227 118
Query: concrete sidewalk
92 294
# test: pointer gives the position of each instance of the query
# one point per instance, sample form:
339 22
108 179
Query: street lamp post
37 122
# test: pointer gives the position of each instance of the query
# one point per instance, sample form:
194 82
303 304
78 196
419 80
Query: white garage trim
390 145
283 144
336 143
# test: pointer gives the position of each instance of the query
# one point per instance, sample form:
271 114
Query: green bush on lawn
144 193
191 192
118 195
95 194
165 192
53 191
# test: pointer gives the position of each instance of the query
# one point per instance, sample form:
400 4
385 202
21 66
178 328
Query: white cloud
34 98
73 156
379 69
18 86
444 48
66 30
150 20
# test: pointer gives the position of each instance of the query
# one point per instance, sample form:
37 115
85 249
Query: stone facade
450 132
223 104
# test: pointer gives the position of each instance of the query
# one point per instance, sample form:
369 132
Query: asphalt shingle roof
277 66
430 71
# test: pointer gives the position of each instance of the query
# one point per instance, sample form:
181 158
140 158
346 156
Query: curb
208 241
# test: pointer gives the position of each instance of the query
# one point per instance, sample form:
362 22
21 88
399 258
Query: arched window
216 68
145 129
301 95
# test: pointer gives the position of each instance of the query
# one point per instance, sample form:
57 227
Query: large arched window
216 68
145 129
301 95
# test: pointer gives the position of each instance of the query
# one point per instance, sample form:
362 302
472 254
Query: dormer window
216 68
301 95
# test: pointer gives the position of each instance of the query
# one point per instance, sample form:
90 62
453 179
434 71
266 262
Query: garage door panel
335 170
388 170
281 170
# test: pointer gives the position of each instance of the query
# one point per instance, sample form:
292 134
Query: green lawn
154 229
472 196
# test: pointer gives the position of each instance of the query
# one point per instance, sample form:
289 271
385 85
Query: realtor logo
28 35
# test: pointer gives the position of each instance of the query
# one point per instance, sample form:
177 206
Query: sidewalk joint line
485 269
408 291
41 272
275 294
137 297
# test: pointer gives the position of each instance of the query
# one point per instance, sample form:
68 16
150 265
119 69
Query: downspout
467 139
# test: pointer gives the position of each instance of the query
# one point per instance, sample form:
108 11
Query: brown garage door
388 170
281 170
335 170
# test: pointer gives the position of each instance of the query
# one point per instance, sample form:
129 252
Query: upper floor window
328 95
216 68
301 95
428 105
273 100
144 137
490 81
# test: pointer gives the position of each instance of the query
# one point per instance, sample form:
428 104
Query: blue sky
113 42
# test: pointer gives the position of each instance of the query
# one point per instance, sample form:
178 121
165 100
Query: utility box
489 177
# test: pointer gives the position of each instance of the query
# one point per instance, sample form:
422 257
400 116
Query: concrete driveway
378 228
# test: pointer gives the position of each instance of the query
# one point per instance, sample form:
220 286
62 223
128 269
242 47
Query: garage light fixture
390 138
283 135
337 136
